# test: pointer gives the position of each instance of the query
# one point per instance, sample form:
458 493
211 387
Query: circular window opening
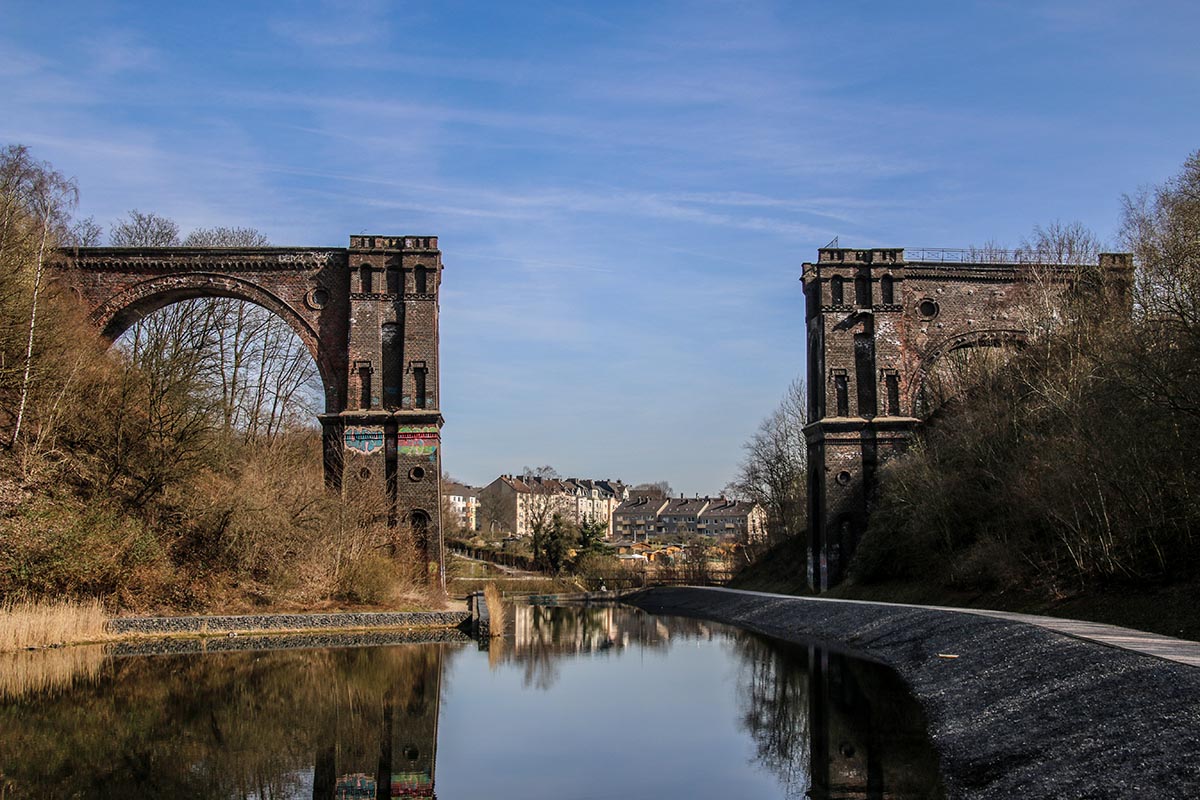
317 298
364 473
927 308
843 478
416 474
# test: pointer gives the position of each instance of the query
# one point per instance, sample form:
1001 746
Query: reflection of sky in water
573 703
636 722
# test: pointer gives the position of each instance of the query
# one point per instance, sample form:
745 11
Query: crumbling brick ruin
367 313
880 326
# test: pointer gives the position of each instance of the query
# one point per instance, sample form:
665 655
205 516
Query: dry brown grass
40 623
495 604
41 671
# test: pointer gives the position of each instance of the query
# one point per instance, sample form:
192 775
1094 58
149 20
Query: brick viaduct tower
368 314
879 327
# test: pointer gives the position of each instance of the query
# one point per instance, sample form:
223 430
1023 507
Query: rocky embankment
1022 712
267 623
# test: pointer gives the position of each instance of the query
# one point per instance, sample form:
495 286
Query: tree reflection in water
832 727
362 722
232 725
774 695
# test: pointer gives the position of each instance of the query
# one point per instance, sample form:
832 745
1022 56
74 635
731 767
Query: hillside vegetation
1072 465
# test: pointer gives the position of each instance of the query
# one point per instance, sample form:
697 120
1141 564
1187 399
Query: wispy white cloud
112 52
335 24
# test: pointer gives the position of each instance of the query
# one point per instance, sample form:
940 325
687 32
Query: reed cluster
495 604
41 623
37 672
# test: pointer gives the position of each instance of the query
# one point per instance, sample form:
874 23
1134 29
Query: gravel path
1023 712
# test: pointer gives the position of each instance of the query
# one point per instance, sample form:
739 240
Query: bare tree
84 232
1162 229
144 230
658 488
51 196
775 465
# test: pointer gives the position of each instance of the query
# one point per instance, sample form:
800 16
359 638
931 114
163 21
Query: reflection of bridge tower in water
405 763
867 733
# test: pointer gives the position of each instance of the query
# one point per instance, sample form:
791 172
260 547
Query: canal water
574 703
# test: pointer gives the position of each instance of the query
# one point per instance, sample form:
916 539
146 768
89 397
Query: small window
892 383
364 278
419 374
887 290
364 385
862 291
837 293
422 280
841 389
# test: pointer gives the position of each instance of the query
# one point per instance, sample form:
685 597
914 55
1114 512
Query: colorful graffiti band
418 440
364 440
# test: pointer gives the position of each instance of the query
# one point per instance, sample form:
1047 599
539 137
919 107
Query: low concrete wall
257 623
1021 713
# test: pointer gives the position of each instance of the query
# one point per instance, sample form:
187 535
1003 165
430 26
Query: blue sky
624 192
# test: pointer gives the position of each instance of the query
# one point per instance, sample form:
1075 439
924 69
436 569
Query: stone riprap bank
265 623
1022 712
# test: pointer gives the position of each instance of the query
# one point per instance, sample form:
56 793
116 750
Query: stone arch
997 337
122 310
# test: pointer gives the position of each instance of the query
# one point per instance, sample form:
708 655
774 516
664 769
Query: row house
682 517
514 503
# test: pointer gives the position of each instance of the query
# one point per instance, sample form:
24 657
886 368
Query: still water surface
574 703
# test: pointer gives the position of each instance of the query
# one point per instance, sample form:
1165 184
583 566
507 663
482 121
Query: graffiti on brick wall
363 440
418 440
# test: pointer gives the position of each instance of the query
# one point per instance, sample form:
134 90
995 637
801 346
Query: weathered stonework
878 326
368 314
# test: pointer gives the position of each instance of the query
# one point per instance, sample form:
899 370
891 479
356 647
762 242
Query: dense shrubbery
150 475
1074 463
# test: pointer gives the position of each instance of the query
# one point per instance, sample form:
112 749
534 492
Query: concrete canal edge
1021 712
285 623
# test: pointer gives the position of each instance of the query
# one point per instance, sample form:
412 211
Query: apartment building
462 501
513 503
683 517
